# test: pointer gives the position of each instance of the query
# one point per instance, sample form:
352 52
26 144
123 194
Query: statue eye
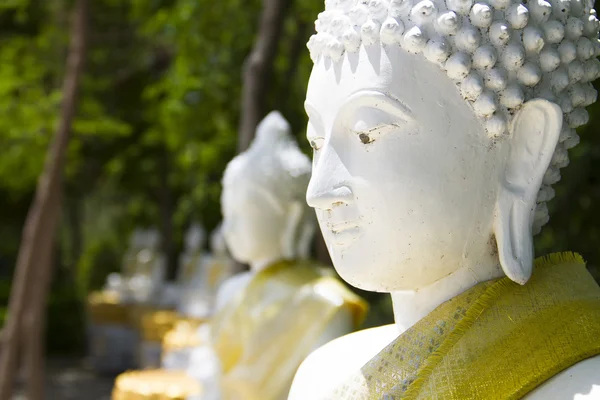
365 138
316 143
370 135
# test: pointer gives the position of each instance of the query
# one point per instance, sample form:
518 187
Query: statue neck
411 306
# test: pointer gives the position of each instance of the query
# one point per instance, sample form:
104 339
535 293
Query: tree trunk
34 326
297 49
165 197
258 68
75 231
35 254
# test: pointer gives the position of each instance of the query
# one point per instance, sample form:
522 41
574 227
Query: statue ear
534 135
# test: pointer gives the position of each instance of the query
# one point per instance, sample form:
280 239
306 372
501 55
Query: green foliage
156 122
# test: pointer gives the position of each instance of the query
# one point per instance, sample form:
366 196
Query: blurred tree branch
258 68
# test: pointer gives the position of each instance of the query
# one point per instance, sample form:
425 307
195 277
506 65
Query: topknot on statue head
273 161
499 53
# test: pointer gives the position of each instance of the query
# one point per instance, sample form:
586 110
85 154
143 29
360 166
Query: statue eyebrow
373 98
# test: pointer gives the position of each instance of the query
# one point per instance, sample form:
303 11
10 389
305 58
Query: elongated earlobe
534 134
513 236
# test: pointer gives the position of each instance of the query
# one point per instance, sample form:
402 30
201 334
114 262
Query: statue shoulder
580 381
329 365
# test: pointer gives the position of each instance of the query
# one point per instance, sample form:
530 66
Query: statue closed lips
438 129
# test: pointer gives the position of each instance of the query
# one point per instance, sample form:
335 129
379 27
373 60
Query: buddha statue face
265 217
438 128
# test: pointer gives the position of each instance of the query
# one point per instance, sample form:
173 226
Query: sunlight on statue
438 128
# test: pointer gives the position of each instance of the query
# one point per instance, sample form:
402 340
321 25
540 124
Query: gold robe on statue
265 332
498 340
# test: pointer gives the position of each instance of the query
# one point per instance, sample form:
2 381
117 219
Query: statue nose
328 185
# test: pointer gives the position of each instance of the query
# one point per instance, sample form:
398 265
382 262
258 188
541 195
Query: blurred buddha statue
179 343
111 337
438 128
149 269
136 244
190 269
143 271
191 258
200 275
118 282
204 274
270 318
155 385
112 332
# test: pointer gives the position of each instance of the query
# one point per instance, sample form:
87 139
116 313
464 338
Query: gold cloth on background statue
156 324
497 340
105 308
183 335
155 385
265 332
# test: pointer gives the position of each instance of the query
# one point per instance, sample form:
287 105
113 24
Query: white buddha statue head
438 128
265 216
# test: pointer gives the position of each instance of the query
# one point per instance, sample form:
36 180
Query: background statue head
438 128
265 216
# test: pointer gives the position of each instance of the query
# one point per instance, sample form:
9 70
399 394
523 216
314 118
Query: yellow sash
263 335
498 340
